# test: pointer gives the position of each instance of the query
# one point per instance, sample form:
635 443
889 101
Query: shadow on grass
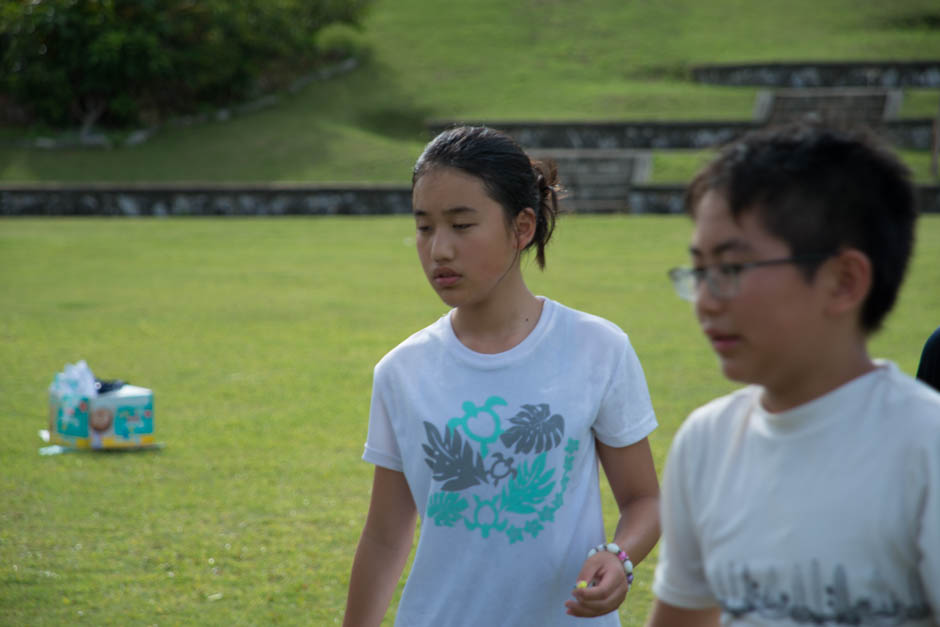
924 20
388 110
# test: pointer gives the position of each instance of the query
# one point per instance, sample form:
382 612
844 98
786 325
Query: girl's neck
497 325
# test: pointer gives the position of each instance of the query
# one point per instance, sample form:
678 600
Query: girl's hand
609 587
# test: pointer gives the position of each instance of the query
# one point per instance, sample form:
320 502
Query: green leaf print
445 508
529 488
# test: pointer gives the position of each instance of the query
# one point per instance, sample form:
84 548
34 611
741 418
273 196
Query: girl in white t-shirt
489 424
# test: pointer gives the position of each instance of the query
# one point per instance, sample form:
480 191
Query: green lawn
489 59
258 337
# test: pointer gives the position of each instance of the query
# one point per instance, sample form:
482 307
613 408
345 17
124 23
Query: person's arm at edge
383 549
632 477
665 615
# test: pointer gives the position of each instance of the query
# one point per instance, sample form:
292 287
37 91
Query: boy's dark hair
510 177
822 190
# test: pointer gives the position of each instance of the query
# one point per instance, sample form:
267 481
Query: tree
120 62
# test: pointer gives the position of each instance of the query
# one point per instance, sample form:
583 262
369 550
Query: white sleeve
381 446
680 571
626 412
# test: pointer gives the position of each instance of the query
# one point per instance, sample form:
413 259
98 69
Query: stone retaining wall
889 74
180 199
291 199
913 134
668 198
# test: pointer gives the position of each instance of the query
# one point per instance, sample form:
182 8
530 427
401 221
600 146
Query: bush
116 62
341 41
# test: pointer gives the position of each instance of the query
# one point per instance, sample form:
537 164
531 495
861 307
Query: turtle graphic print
515 491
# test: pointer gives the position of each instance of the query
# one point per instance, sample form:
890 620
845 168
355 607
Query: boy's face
771 331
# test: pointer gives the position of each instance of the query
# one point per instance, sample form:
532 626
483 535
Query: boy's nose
705 301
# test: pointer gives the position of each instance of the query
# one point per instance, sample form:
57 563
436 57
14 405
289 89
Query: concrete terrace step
867 106
597 179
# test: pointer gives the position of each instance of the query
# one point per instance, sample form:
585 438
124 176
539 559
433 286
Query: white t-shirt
499 453
826 514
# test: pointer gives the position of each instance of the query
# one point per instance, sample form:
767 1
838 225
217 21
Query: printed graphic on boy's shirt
524 494
814 599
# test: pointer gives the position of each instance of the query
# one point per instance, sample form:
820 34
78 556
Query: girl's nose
442 248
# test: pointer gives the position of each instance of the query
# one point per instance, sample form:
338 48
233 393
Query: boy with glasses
812 496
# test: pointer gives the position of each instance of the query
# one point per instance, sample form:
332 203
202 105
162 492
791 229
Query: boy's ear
850 277
524 227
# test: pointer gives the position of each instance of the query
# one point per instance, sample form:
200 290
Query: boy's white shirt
509 512
825 514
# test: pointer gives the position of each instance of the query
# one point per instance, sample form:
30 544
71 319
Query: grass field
489 59
258 337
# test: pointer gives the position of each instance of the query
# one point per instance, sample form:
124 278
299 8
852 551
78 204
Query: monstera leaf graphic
452 460
534 429
529 488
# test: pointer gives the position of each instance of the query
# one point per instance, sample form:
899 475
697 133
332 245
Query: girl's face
466 248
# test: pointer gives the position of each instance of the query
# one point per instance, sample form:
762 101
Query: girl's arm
632 477
383 549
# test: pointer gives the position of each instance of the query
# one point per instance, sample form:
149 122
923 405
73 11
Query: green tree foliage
121 62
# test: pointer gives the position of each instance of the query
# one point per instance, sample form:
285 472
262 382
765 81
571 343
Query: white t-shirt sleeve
680 571
381 444
626 412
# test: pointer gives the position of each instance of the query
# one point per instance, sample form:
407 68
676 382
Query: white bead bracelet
621 555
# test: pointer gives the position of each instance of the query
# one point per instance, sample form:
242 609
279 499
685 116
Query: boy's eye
463 226
423 228
729 270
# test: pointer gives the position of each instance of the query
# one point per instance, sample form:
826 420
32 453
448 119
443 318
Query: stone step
843 105
599 178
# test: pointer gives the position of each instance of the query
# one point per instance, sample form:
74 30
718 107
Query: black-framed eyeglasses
724 279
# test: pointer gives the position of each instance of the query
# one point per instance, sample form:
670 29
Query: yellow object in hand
582 584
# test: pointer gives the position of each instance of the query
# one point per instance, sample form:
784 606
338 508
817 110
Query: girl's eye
423 228
462 226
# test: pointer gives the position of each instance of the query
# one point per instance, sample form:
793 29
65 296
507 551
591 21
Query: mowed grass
493 60
258 337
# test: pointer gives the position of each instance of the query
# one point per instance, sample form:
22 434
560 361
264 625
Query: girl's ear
850 281
524 227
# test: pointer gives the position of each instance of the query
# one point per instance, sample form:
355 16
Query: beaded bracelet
621 555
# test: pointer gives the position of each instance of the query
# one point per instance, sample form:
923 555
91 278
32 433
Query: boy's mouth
722 342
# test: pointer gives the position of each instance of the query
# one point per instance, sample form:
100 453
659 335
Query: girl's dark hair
509 176
821 189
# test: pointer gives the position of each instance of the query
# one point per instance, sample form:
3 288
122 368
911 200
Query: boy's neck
833 369
498 324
